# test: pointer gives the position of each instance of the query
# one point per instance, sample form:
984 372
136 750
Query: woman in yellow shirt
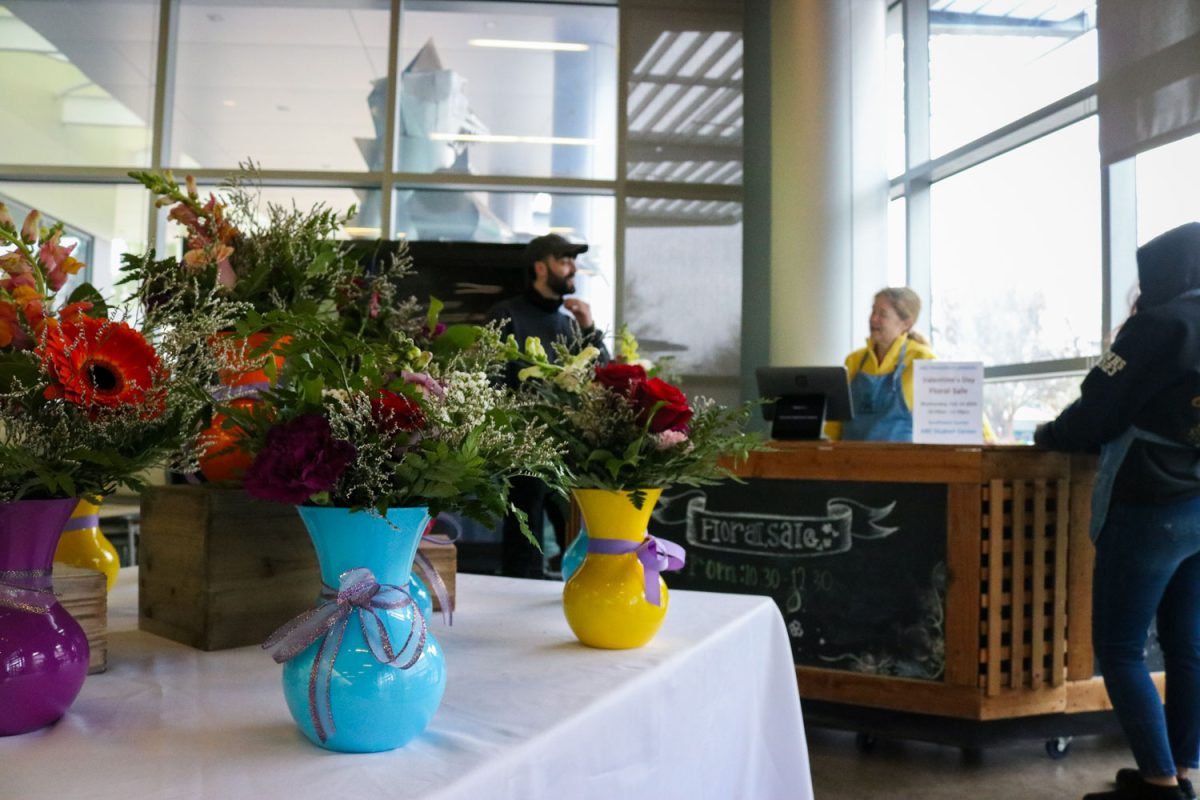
881 374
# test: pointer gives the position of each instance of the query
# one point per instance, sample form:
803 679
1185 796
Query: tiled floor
1016 770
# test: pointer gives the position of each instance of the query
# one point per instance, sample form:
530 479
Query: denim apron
880 413
1112 454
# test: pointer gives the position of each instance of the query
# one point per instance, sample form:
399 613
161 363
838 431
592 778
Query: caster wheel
865 742
1058 747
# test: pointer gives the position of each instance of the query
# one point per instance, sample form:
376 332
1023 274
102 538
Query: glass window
685 96
364 224
77 80
514 217
679 255
1167 178
894 90
104 221
1015 408
300 85
1015 242
508 89
988 68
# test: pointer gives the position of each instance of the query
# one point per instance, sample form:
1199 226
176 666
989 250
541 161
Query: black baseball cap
552 245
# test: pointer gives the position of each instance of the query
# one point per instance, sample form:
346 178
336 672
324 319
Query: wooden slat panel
1061 523
1037 619
1018 585
1080 666
962 591
995 587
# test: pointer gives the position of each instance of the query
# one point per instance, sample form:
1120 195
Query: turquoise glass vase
354 702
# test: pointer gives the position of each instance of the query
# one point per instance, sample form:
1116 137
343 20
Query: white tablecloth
708 709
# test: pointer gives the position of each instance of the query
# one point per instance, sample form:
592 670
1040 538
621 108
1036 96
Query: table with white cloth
708 709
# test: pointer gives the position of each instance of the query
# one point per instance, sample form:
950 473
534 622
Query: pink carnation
668 439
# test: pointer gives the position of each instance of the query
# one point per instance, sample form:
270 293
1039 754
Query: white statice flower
468 398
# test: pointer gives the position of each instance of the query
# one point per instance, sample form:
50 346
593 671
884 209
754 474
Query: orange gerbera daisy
99 363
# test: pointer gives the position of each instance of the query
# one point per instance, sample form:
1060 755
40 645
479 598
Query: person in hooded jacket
1141 407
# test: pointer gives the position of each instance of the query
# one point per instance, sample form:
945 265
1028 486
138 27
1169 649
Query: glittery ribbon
358 591
223 394
27 590
82 523
656 555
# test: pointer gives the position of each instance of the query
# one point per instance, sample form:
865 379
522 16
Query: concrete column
827 176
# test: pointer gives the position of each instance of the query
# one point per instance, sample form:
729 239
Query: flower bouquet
251 260
87 404
627 433
368 437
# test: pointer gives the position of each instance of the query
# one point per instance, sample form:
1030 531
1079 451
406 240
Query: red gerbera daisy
99 363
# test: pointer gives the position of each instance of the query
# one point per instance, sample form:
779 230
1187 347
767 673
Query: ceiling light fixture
504 139
517 44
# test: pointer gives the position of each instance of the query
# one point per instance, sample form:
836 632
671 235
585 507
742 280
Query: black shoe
1129 778
1129 790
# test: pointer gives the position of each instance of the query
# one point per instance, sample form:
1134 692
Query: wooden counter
877 524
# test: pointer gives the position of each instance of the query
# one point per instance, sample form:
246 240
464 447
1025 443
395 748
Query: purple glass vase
43 651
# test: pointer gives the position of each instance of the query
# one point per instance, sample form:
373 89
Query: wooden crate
84 594
219 569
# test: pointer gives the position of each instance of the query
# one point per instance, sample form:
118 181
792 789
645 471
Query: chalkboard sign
468 277
858 569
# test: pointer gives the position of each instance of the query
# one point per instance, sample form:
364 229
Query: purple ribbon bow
27 590
656 555
358 591
437 584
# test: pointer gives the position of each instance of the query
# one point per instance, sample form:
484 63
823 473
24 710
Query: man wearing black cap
550 260
538 312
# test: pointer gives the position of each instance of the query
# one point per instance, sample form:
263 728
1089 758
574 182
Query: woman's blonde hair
907 304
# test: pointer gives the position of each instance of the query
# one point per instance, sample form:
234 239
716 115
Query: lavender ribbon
656 555
27 590
358 591
82 523
434 578
437 585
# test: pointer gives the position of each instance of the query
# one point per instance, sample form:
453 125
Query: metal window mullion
1118 237
685 191
164 108
625 77
1056 116
915 22
391 125
1039 369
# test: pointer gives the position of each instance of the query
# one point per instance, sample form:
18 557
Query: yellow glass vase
83 545
605 599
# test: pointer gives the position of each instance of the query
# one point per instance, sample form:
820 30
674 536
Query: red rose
673 410
620 377
394 412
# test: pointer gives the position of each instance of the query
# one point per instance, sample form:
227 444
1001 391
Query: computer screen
830 382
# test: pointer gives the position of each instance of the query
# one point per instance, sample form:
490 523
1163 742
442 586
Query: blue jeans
1148 567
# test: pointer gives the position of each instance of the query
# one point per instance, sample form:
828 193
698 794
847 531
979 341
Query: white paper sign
947 402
